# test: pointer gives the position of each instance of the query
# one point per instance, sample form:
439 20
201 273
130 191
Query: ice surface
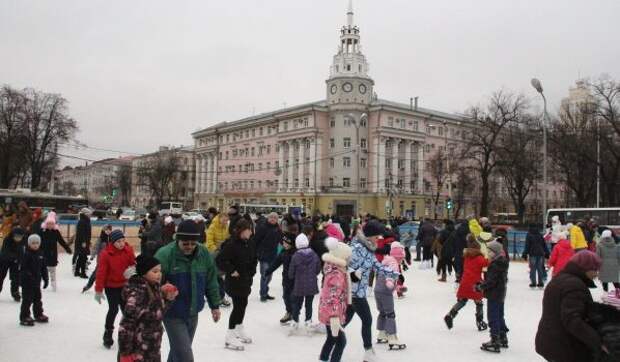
76 326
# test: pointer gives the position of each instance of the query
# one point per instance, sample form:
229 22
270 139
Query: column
198 173
281 163
302 163
395 143
291 161
313 164
420 168
208 174
408 146
382 155
374 171
318 177
215 172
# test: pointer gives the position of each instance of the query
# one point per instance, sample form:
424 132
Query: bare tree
159 172
439 176
123 180
12 163
464 187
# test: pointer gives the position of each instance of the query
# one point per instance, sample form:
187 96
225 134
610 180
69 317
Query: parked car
140 213
190 215
128 215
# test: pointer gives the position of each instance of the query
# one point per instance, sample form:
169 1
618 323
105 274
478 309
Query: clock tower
349 83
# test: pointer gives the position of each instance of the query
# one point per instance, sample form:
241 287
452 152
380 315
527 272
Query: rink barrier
129 228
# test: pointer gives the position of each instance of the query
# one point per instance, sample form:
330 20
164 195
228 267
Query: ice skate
41 318
503 340
232 342
108 341
286 319
16 297
312 328
28 322
449 318
241 335
293 328
492 345
370 355
382 337
482 326
394 343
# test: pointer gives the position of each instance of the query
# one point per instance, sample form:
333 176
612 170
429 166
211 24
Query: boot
382 337
443 278
370 355
232 342
449 318
41 318
394 343
492 345
503 340
240 332
287 318
16 296
480 323
108 341
28 322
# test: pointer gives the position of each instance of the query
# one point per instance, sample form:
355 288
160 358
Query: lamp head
537 85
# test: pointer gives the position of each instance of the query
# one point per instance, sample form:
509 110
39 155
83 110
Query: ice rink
76 326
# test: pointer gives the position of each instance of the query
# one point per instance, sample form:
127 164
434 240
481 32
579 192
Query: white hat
86 211
339 255
168 220
34 239
606 234
331 243
301 241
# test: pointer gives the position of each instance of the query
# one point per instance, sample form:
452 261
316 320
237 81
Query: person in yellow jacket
577 239
217 233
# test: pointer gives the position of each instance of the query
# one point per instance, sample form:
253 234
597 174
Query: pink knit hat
587 260
50 219
334 231
397 251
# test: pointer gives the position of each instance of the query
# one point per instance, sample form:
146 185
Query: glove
356 276
129 272
99 297
46 282
128 358
401 279
334 325
389 283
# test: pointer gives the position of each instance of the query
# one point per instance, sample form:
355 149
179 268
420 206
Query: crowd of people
187 265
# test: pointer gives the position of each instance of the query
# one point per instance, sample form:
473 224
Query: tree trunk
484 197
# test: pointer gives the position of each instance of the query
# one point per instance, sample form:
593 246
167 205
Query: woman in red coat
113 262
561 254
473 263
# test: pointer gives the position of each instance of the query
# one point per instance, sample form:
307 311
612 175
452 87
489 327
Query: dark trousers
287 297
113 295
537 268
80 264
444 266
31 296
333 346
91 279
12 268
418 251
458 264
495 316
181 335
237 315
606 286
297 303
220 282
361 307
427 254
460 303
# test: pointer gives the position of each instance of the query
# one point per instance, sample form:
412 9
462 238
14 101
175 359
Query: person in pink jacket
561 254
334 299
384 298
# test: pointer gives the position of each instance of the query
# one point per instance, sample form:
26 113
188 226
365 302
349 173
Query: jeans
31 296
113 295
297 302
333 345
181 335
537 267
361 307
240 303
264 278
495 316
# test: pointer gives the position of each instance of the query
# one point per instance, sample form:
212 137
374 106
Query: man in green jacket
188 266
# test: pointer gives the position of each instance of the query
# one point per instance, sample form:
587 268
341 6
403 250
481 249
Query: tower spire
350 14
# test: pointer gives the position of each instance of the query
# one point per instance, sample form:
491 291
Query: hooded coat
494 285
609 252
217 233
112 265
83 234
535 244
336 290
50 238
12 250
473 264
561 254
304 268
363 259
239 256
267 238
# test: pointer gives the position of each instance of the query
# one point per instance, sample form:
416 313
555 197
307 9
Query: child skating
284 259
32 271
304 269
384 298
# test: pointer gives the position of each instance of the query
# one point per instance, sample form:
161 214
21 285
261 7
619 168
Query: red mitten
168 288
128 358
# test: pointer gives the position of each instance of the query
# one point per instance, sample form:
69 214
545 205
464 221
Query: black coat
564 333
49 245
446 240
535 245
32 269
317 244
233 220
427 234
238 256
12 251
267 238
83 234
460 239
283 259
494 284
605 319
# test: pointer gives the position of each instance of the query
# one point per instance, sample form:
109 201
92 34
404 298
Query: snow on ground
76 326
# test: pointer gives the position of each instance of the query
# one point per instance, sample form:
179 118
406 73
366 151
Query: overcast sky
139 74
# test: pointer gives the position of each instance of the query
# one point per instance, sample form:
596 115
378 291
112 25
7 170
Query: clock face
347 87
334 89
362 88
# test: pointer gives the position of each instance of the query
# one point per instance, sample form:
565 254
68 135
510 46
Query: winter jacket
141 331
442 247
216 235
195 276
167 233
283 259
24 216
50 238
460 239
609 252
102 242
112 265
563 331
32 269
386 284
577 238
427 234
304 268
473 264
267 238
363 260
494 285
83 234
605 319
317 244
561 254
535 245
12 251
335 293
238 256
153 232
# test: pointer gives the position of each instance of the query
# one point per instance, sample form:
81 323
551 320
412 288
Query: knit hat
339 255
334 231
485 237
18 231
50 219
496 247
606 234
116 235
373 228
34 239
301 241
144 263
188 230
586 260
397 250
331 243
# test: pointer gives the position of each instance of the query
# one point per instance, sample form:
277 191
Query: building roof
404 106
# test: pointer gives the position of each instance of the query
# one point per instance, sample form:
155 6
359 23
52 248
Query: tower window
360 68
349 67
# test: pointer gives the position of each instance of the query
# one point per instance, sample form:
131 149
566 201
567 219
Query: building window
226 154
401 164
390 121
227 138
253 132
427 148
347 142
363 143
331 162
415 125
346 182
277 164
260 131
296 184
286 126
363 122
331 182
252 151
277 147
387 183
400 183
346 162
332 123
362 183
332 143
363 162
307 182
440 131
307 145
388 163
428 129
260 166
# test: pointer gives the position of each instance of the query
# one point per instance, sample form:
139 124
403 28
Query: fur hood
368 244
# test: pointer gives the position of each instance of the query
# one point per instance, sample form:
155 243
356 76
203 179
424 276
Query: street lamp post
538 86
598 163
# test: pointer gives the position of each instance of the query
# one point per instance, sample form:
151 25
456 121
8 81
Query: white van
170 208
